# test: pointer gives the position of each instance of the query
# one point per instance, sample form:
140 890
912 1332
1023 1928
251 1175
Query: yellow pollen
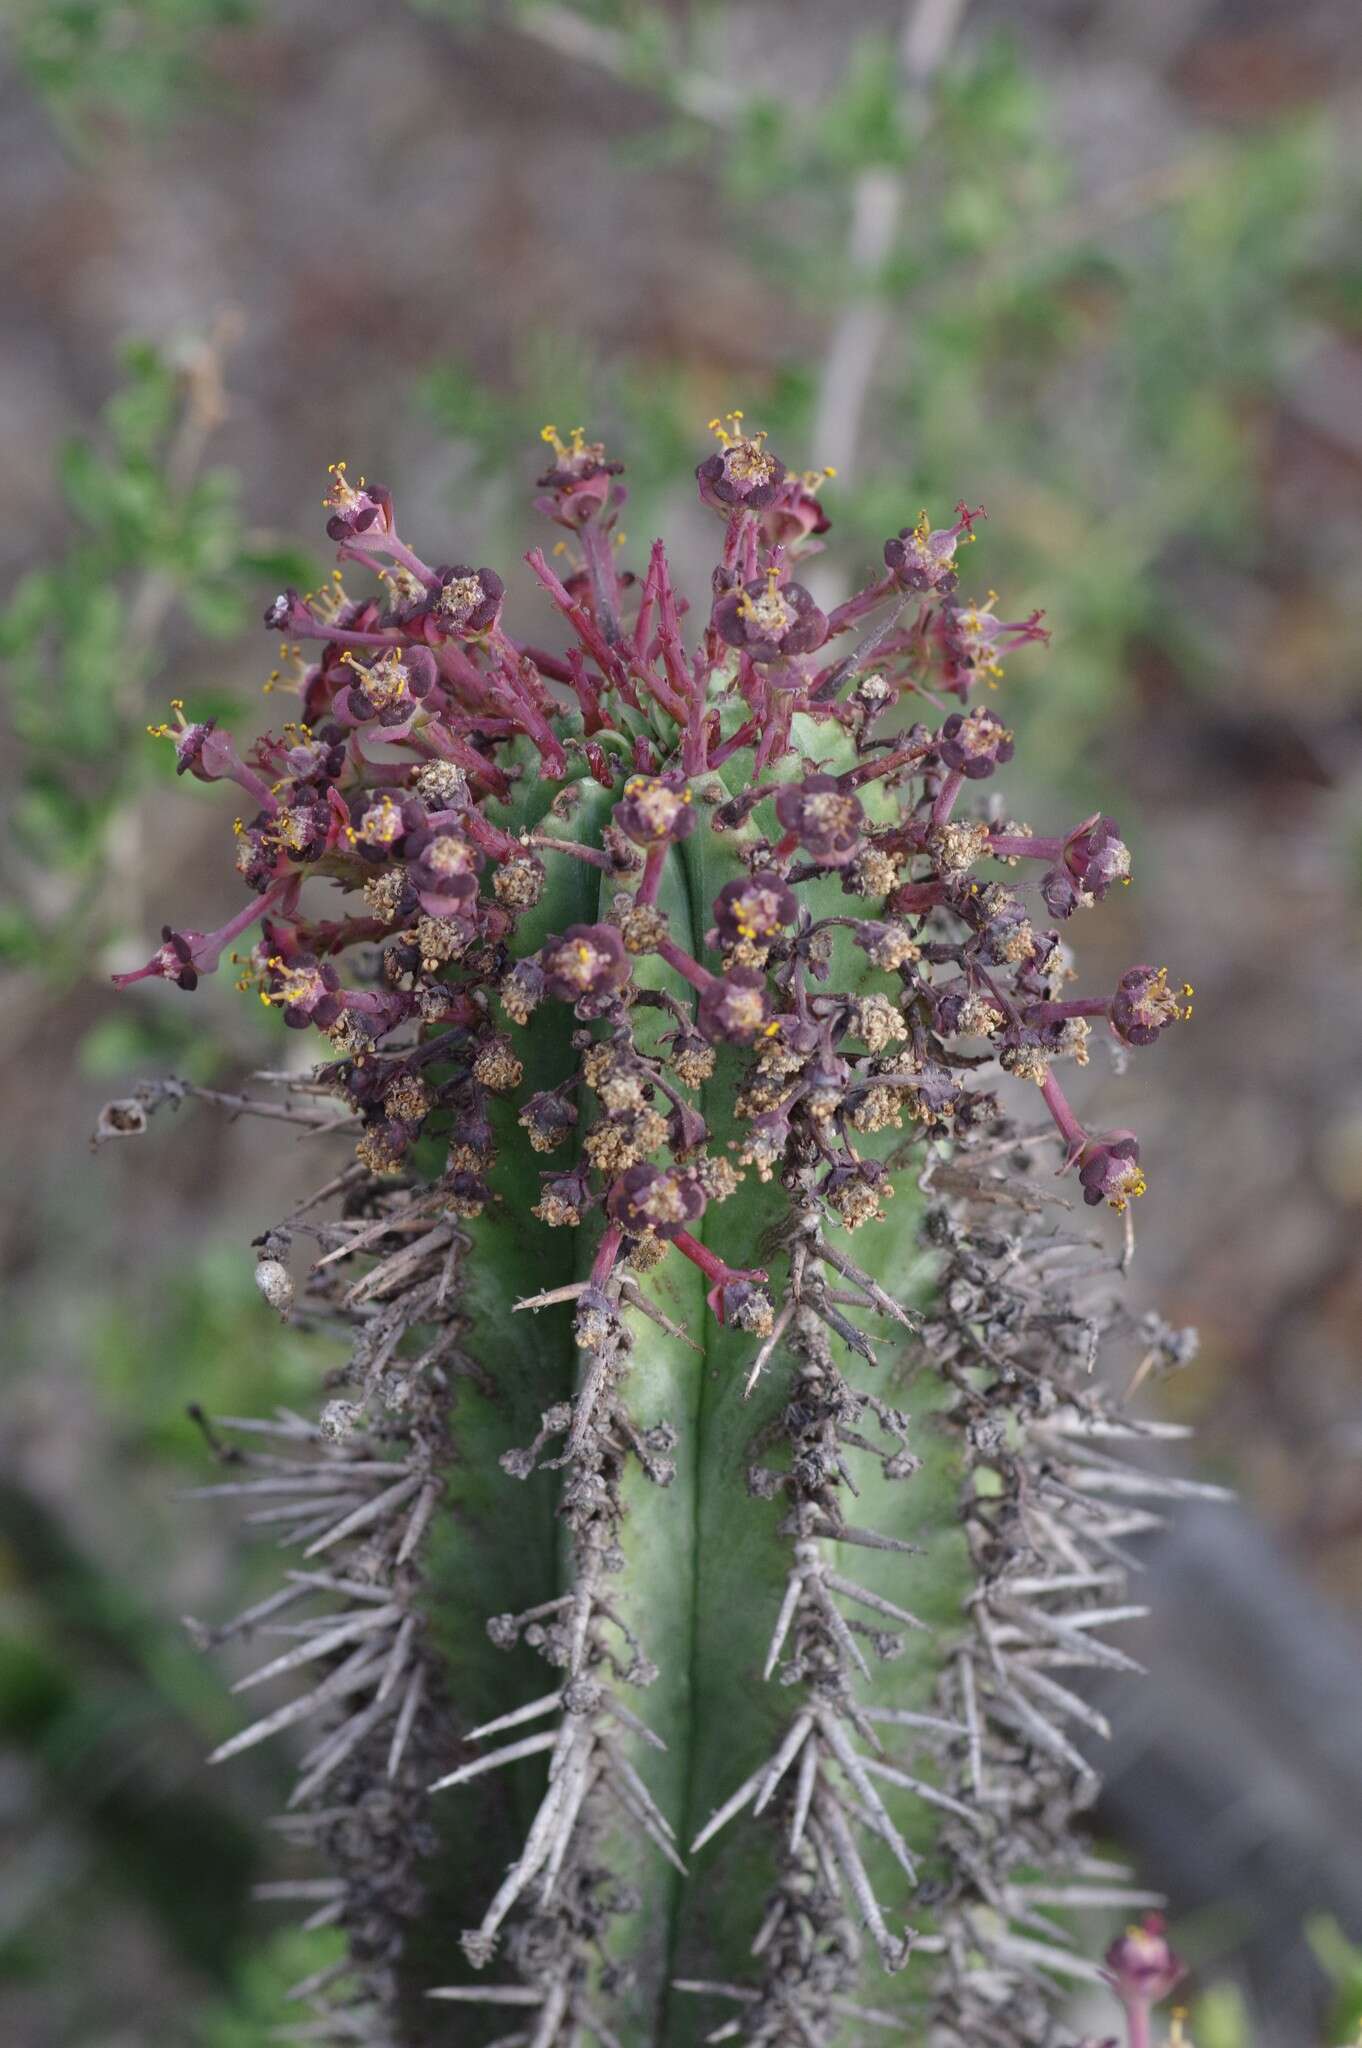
564 450
728 429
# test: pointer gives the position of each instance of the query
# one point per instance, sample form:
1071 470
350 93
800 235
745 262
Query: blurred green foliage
156 546
1341 1961
250 2016
132 59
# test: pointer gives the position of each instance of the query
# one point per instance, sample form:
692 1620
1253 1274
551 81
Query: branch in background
877 201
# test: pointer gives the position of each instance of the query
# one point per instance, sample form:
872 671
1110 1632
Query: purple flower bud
357 510
754 907
1142 1966
589 960
1109 1170
735 1008
1060 892
742 476
1144 1005
826 820
657 1199
655 809
289 613
769 620
974 743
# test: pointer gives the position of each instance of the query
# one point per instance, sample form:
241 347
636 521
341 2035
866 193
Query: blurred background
1094 264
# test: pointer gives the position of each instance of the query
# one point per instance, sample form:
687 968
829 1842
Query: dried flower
1144 1005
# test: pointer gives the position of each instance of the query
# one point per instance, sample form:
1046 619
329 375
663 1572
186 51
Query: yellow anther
728 429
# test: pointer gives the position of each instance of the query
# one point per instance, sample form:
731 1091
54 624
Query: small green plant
696 1546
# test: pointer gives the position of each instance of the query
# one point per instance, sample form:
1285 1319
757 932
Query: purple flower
1144 1005
290 613
300 830
973 641
655 809
356 509
923 557
974 743
579 482
304 989
742 476
826 820
1094 856
754 907
655 1198
769 620
1109 1170
468 601
1142 1967
735 1008
589 960
177 959
387 689
443 869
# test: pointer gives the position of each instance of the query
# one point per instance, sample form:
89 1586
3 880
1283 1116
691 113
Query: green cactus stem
691 1561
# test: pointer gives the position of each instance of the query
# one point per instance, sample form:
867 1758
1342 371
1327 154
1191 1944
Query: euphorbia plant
696 1550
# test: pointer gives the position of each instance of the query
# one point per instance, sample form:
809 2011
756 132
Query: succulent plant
693 1557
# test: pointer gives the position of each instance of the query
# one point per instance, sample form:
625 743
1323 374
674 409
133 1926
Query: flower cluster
694 896
860 959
